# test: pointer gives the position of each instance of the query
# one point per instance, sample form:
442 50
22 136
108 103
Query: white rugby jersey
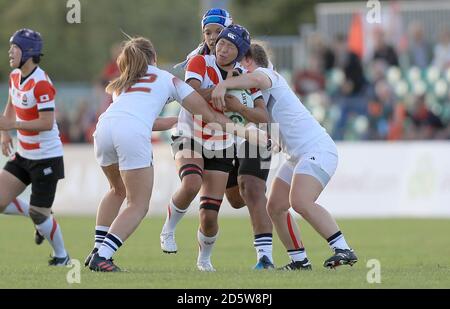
35 94
298 128
205 69
145 100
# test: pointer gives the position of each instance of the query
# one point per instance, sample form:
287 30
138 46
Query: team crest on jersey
24 100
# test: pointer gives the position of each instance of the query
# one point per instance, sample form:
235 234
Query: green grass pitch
413 253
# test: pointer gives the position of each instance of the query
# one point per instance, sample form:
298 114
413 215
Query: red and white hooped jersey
35 94
204 69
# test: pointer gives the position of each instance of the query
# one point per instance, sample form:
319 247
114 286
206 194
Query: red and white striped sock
174 215
51 230
17 207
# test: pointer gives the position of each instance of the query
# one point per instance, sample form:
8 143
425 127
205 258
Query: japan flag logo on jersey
44 98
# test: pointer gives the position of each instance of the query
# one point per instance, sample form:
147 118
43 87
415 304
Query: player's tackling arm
164 123
246 81
217 121
258 114
205 93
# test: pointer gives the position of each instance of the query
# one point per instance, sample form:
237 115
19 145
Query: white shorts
123 140
320 162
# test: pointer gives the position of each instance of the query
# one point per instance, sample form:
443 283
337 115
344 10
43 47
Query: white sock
263 246
51 230
110 245
100 233
337 241
206 245
17 207
297 255
174 215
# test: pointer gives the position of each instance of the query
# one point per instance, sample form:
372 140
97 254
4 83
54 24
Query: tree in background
75 52
78 52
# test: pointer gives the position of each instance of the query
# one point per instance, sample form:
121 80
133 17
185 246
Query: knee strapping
39 215
190 169
210 203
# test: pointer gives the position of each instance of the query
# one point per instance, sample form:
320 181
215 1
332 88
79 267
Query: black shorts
43 175
214 160
250 160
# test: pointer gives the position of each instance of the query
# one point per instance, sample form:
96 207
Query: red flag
355 36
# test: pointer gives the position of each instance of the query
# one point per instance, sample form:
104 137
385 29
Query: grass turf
413 253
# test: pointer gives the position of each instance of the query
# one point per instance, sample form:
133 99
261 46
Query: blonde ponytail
133 61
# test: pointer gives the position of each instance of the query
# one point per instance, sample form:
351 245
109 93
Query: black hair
37 59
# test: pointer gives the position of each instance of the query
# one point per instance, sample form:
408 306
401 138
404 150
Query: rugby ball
244 96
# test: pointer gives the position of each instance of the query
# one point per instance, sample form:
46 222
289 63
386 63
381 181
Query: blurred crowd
396 93
77 123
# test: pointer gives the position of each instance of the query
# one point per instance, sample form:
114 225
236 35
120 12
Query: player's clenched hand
6 142
218 97
232 104
205 93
